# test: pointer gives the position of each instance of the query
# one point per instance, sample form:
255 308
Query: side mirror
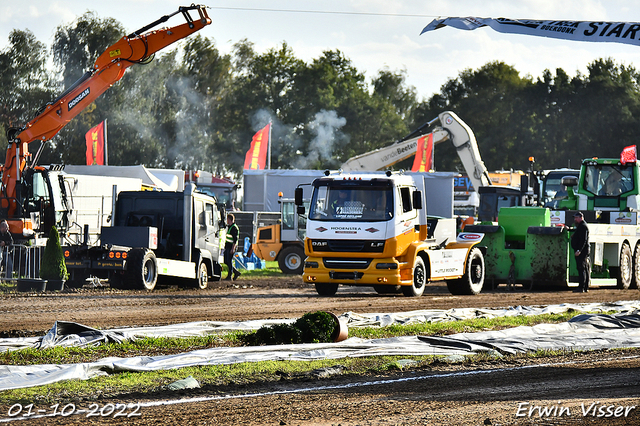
417 200
300 210
298 197
569 181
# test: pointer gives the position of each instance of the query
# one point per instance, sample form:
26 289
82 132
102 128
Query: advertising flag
628 155
598 31
423 161
95 139
256 157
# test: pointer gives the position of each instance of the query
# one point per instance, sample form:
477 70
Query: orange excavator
29 193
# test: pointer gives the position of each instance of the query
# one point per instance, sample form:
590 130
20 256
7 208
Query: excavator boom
138 47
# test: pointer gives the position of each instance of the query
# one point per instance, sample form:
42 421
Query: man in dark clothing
6 243
233 233
580 246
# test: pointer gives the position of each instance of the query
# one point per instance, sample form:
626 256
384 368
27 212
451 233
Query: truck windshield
358 203
608 180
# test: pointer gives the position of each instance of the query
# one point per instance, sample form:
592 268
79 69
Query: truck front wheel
419 280
326 289
473 279
142 270
291 260
202 277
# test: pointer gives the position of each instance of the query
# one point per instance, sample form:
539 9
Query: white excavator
451 128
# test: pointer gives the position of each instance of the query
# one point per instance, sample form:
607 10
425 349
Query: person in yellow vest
230 244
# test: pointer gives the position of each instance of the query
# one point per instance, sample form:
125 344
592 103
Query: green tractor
531 245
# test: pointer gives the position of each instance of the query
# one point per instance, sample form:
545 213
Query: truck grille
342 263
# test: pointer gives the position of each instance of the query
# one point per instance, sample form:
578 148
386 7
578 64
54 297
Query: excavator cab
44 199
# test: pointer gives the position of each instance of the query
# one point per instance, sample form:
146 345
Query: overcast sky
373 33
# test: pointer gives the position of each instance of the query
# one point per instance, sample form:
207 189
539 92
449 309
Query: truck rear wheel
142 270
419 280
473 279
625 270
291 260
326 289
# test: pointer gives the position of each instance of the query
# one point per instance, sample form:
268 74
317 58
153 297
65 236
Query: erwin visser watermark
594 409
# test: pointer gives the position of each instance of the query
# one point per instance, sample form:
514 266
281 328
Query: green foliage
53 266
315 327
199 109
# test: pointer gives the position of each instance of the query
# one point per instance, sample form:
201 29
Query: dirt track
494 394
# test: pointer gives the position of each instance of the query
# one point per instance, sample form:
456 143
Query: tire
202 277
472 281
625 270
291 260
142 270
635 278
419 280
326 289
387 289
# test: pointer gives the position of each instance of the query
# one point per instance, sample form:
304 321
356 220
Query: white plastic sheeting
72 334
587 331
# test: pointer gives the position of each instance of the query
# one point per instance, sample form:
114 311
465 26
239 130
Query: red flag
424 154
95 145
628 155
256 157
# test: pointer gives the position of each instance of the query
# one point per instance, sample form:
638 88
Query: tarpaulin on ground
584 332
72 334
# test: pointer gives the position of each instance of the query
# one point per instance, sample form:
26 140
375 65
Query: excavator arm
453 129
137 47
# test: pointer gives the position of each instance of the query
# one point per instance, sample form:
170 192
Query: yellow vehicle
283 241
370 229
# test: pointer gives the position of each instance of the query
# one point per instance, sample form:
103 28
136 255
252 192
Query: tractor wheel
473 279
625 271
291 260
142 270
635 277
419 280
326 289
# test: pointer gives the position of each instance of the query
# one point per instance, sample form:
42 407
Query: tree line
196 108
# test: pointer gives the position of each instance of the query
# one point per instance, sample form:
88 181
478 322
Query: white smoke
326 128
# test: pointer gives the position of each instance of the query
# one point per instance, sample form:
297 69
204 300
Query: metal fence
20 261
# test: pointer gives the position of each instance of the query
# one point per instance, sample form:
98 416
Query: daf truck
373 230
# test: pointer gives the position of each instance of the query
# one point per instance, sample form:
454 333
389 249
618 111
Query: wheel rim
148 271
202 278
293 261
418 277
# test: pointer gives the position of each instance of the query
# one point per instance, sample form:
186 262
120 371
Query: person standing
6 244
580 246
231 242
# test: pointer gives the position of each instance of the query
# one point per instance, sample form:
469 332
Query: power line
325 12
